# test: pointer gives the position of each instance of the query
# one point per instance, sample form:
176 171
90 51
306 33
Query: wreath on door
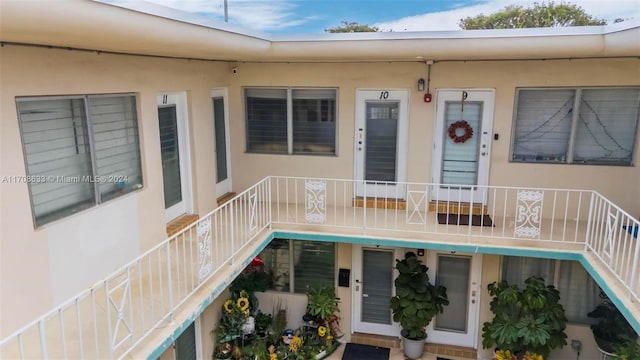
467 131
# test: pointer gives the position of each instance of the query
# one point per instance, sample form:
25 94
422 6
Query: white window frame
289 99
291 254
571 141
93 176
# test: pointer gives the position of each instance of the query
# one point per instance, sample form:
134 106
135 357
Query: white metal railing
115 315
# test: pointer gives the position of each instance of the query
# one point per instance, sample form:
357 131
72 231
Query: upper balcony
141 307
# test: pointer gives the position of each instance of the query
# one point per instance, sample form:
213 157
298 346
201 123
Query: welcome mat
365 352
462 219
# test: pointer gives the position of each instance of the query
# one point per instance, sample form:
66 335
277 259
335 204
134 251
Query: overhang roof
149 29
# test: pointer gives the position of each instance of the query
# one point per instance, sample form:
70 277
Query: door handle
365 295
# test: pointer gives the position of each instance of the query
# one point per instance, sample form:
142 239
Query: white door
382 118
174 149
462 143
219 102
460 274
372 288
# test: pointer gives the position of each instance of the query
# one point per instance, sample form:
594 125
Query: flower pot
413 349
249 325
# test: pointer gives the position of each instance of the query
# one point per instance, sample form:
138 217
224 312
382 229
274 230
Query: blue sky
313 16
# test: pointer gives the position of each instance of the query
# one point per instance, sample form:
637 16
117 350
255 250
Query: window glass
73 145
266 120
607 126
312 263
291 121
549 127
314 125
578 291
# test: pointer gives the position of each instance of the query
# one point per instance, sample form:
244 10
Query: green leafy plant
629 350
322 306
612 328
253 278
529 319
416 301
263 322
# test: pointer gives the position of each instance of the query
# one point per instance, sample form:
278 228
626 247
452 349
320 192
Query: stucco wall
620 184
43 267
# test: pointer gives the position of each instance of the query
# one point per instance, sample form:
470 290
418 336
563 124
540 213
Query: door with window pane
372 291
462 145
460 274
381 143
174 151
223 154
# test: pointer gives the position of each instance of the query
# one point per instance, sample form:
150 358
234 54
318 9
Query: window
79 151
297 265
576 125
578 291
291 121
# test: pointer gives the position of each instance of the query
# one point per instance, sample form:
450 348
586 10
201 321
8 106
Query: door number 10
384 95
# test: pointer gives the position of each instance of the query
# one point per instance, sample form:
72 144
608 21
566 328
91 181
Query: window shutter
266 120
186 344
314 125
56 148
607 126
115 133
543 125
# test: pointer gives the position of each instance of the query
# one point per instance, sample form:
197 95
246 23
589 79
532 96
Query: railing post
43 339
169 277
634 273
232 225
589 222
270 204
364 206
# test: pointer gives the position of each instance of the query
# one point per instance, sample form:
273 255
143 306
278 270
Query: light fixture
421 85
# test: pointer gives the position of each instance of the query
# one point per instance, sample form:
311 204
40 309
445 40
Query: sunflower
228 306
243 303
322 331
295 343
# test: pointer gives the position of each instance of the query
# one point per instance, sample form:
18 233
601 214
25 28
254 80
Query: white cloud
448 20
254 14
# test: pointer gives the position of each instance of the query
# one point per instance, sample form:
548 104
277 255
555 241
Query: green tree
351 27
540 15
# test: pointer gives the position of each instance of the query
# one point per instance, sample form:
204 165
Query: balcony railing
114 316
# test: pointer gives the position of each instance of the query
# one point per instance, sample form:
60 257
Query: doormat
441 358
365 352
462 219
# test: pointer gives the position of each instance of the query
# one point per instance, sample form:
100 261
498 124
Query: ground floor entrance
373 286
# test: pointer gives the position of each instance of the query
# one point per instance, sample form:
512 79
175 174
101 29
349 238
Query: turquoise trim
205 303
478 249
635 323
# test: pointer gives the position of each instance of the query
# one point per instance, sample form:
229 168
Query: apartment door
373 288
381 142
174 150
462 145
219 101
460 274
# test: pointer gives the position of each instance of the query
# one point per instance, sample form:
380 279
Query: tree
351 27
540 15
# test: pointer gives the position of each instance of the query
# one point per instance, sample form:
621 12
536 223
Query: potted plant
416 302
612 329
525 320
322 307
629 350
263 323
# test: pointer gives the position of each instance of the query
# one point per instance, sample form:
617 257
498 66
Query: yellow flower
504 355
246 312
322 331
228 305
273 356
532 356
295 343
243 303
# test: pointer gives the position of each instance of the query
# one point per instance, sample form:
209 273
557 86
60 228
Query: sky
314 16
